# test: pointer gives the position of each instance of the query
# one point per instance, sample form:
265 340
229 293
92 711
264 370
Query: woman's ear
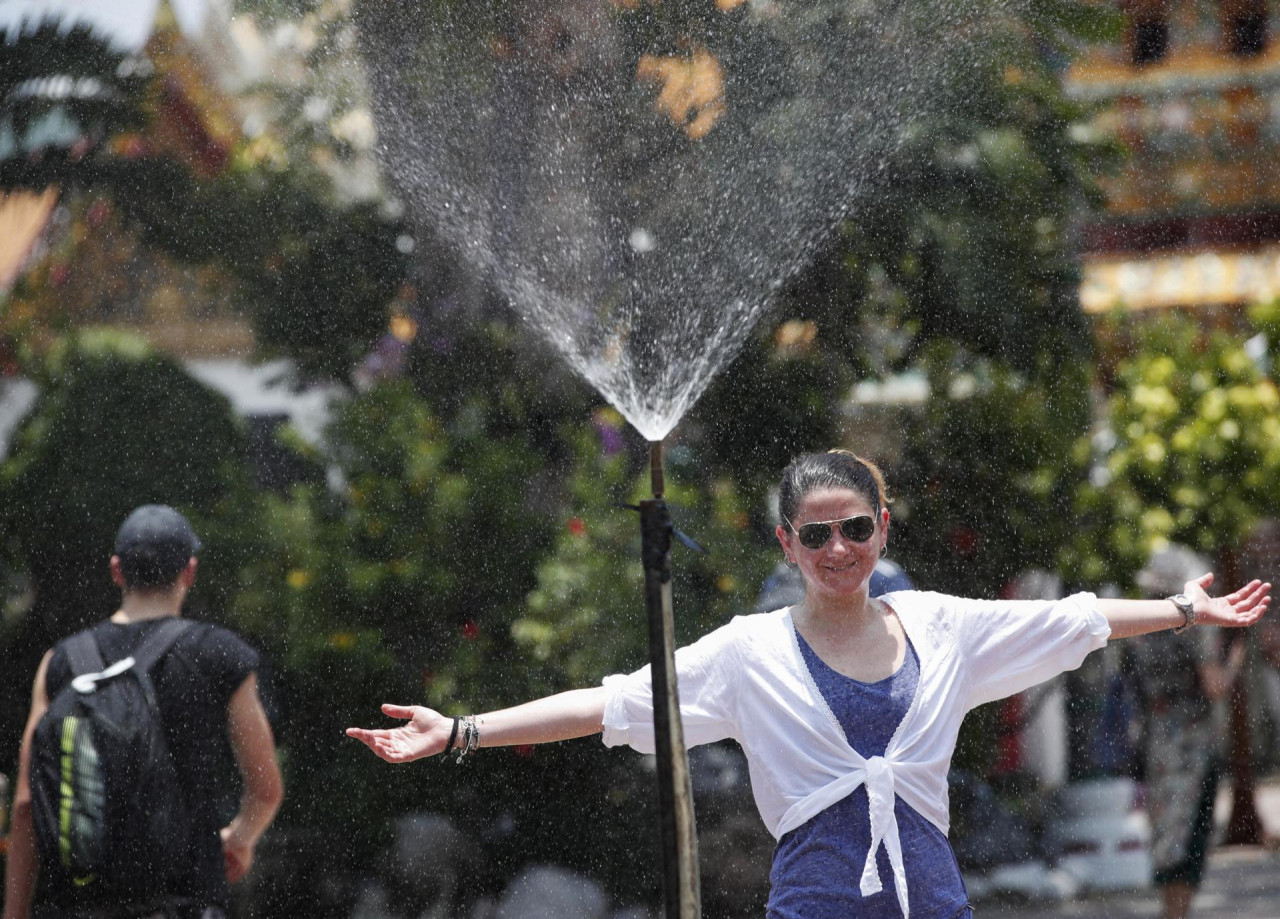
784 539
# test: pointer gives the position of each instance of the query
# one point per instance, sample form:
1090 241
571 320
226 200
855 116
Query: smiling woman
835 510
847 706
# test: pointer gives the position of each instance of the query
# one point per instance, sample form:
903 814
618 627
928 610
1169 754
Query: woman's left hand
1236 610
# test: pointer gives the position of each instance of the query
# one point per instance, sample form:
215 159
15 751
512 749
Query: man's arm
255 752
23 859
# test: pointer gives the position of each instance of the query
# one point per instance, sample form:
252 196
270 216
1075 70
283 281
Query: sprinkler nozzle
655 469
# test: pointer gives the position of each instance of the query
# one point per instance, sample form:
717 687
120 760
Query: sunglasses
816 535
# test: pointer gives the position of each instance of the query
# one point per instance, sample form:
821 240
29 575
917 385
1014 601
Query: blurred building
1192 90
95 270
61 236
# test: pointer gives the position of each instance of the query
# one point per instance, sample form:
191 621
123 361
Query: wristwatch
1188 610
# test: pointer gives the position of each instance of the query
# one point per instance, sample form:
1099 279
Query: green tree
987 479
1188 452
460 566
317 278
399 583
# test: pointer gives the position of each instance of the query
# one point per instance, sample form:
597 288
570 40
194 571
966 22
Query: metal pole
675 792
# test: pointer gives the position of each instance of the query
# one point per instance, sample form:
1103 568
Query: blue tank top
818 865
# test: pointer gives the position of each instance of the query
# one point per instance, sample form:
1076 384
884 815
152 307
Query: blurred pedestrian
1181 678
847 706
74 826
1269 648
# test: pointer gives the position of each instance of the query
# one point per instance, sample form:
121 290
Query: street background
1241 882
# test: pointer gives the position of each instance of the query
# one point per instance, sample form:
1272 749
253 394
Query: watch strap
1188 610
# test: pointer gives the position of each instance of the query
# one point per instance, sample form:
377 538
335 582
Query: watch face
1187 608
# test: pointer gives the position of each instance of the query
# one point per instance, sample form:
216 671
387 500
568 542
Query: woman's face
841 567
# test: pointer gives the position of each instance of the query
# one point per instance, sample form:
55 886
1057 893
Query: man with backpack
116 807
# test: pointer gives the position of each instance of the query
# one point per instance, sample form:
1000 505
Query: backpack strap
158 643
82 653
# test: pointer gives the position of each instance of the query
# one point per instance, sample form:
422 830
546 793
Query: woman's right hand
425 734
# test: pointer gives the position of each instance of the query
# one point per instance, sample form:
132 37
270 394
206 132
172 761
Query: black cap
154 544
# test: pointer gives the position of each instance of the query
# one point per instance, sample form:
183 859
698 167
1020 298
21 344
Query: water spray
675 791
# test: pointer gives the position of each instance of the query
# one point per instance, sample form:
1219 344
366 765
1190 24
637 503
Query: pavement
1241 882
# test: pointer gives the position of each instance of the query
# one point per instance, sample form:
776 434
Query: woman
847 707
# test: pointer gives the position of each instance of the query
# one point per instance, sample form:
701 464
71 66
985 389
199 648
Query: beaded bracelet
473 742
470 738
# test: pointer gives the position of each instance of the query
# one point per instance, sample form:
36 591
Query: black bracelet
453 735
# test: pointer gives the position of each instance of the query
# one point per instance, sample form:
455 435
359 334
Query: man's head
154 546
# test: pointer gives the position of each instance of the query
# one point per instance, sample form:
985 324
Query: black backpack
110 814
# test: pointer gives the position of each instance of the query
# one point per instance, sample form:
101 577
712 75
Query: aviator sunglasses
854 529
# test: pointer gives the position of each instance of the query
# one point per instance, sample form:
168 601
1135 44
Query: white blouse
748 681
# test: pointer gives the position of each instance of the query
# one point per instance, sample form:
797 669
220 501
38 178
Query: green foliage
117 425
483 369
986 483
317 278
969 243
399 586
339 270
586 617
1266 317
331 667
772 404
1189 453
459 566
1066 23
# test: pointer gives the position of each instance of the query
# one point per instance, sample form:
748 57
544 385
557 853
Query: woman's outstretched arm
1242 608
576 713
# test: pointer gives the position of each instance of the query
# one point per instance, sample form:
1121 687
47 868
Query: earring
791 562
884 551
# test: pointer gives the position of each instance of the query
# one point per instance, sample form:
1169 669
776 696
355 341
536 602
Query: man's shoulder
200 630
218 646
92 630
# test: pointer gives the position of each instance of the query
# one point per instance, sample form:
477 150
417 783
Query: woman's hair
833 469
